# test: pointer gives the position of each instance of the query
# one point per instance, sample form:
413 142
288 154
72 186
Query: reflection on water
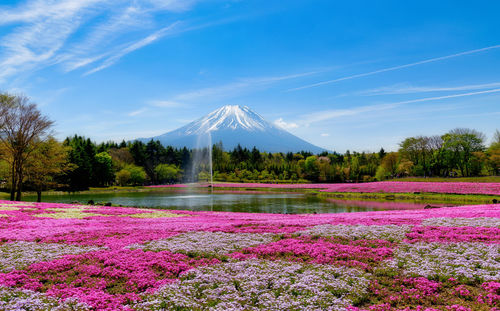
238 201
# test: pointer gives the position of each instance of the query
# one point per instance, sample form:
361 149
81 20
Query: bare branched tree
22 127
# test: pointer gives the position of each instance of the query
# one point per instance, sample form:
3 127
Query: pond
232 201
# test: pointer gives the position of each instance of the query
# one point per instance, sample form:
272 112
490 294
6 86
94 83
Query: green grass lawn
411 197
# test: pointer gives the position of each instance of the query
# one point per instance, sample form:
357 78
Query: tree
167 173
495 143
494 154
123 177
138 151
155 154
137 174
120 157
418 151
82 155
46 162
23 126
494 161
104 174
323 168
381 153
255 158
311 167
437 164
405 167
355 168
381 173
390 163
460 144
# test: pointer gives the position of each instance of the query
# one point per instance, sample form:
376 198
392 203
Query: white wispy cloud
165 104
77 33
339 113
426 61
133 47
409 89
286 125
233 89
137 112
45 28
148 110
236 88
324 134
33 11
134 17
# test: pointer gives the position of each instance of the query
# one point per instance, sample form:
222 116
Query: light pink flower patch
453 234
105 279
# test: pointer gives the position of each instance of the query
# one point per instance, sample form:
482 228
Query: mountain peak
228 117
236 125
233 107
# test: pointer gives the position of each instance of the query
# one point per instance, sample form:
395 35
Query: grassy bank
115 189
411 197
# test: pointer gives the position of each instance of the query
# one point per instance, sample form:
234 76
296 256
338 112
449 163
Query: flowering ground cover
77 257
374 187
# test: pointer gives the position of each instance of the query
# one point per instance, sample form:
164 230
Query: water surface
231 201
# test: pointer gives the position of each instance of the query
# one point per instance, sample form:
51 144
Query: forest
458 153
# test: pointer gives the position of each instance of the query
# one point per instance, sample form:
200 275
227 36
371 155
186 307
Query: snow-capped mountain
233 125
230 117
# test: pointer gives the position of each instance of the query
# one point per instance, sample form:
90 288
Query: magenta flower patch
77 257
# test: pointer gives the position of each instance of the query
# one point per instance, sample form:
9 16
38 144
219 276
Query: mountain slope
233 125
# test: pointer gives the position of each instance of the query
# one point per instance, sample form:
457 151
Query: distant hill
233 125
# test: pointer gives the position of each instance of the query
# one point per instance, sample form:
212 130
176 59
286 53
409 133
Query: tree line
460 152
32 160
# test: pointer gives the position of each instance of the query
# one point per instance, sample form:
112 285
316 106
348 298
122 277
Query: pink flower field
372 187
79 257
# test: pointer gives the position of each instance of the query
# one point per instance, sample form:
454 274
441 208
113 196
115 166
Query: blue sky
355 75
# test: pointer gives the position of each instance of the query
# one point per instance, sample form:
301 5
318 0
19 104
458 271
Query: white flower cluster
18 255
472 261
261 285
491 222
390 233
206 243
14 300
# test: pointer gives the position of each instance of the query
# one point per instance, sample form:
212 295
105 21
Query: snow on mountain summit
228 117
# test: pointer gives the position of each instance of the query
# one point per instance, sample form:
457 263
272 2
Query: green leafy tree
418 151
46 162
137 174
381 173
138 151
103 169
82 155
460 144
390 163
495 143
494 161
123 177
167 173
120 157
311 168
